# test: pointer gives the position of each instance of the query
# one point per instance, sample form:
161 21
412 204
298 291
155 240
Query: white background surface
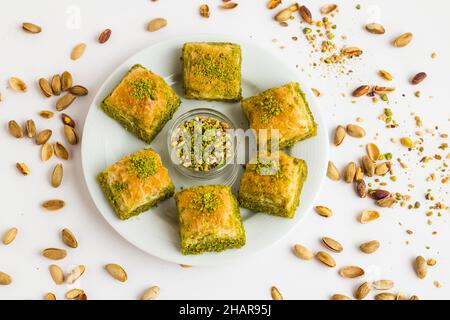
33 56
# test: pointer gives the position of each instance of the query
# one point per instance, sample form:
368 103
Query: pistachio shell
386 296
276 295
66 80
17 84
70 134
363 290
324 211
50 296
421 267
151 294
117 272
57 175
370 247
368 216
355 131
57 274
46 152
56 85
349 173
383 284
61 151
333 172
302 252
74 294
339 296
339 135
78 51
75 274
332 244
375 28
65 101
31 27
403 40
5 279
69 238
9 236
156 24
78 91
372 151
45 87
350 272
53 205
43 136
326 259
54 253
14 129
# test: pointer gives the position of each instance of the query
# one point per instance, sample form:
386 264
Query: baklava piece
142 103
212 71
209 218
136 183
284 108
273 184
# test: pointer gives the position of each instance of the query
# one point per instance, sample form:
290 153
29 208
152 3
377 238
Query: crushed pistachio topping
210 66
269 106
144 167
142 89
119 186
206 202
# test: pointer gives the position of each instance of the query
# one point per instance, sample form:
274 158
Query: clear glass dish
226 173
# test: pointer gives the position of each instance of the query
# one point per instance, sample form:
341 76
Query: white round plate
156 231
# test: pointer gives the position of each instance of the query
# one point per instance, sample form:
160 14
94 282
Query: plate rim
319 119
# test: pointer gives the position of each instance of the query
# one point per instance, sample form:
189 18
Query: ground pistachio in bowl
201 143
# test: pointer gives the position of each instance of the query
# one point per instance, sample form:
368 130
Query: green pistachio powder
144 167
206 202
142 89
209 66
269 106
119 186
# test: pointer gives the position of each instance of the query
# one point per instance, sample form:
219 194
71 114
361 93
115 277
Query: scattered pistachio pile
60 85
63 85
367 174
55 87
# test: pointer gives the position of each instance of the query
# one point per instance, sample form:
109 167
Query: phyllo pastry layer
284 108
136 183
142 103
273 186
209 218
212 71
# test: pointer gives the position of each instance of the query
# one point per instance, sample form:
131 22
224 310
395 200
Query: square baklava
209 219
273 184
212 71
136 183
142 103
282 108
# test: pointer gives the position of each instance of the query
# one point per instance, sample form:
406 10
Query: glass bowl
226 173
